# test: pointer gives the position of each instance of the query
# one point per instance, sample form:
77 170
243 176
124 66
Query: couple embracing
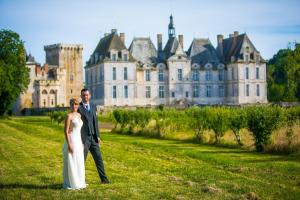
82 135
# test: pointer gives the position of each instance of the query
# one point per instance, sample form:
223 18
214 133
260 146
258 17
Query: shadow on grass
30 186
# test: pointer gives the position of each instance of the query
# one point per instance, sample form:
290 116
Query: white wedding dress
73 163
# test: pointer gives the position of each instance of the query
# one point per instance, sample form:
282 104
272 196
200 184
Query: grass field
139 168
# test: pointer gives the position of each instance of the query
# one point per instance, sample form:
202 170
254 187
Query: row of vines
260 121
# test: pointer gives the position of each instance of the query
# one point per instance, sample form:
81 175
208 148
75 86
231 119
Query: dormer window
119 55
246 58
114 57
125 57
247 49
232 58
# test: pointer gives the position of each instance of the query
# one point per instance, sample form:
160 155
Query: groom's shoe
105 181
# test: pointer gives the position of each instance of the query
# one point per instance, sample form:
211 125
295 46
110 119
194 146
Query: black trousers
93 147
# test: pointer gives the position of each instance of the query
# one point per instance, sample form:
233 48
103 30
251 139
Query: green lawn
139 168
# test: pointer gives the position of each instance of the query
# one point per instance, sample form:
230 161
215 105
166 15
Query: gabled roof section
109 42
202 52
143 50
233 47
171 47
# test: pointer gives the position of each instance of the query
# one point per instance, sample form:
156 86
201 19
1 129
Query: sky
270 24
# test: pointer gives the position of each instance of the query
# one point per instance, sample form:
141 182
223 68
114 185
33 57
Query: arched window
44 92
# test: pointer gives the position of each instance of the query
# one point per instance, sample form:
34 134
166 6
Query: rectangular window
147 76
221 75
195 75
125 74
257 90
221 91
247 90
114 92
125 57
195 91
179 74
208 75
208 91
126 91
247 72
246 58
161 91
187 94
114 57
148 92
173 94
232 74
114 74
257 73
161 75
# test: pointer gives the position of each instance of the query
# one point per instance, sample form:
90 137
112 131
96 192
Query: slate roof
202 52
143 50
232 46
30 58
109 42
170 47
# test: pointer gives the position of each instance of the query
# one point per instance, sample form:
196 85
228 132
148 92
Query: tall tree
283 75
14 75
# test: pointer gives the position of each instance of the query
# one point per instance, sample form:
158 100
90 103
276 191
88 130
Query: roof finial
171 28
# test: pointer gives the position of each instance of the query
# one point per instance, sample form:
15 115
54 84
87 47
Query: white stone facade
232 74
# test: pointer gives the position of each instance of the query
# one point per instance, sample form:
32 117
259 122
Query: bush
219 121
198 121
262 121
237 121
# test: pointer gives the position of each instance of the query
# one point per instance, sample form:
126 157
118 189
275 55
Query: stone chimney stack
113 30
180 38
235 33
220 44
231 35
159 42
122 37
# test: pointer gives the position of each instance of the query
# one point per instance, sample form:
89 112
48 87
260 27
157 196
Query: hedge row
261 121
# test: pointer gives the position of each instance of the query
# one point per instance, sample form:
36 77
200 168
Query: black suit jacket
90 123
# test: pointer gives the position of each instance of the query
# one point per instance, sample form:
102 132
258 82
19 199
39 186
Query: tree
14 75
283 75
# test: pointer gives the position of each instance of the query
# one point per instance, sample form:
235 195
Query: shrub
198 121
262 121
237 121
219 121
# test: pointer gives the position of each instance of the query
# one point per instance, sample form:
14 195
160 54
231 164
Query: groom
90 133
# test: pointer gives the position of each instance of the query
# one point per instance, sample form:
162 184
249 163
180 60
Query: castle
234 73
57 81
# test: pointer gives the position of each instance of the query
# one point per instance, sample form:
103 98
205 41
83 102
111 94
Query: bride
73 159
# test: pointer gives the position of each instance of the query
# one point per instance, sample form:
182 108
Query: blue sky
270 24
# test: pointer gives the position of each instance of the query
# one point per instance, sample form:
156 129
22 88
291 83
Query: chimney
113 30
122 37
106 34
159 42
220 44
230 35
235 33
180 38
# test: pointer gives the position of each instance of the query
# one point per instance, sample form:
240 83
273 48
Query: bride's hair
74 101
